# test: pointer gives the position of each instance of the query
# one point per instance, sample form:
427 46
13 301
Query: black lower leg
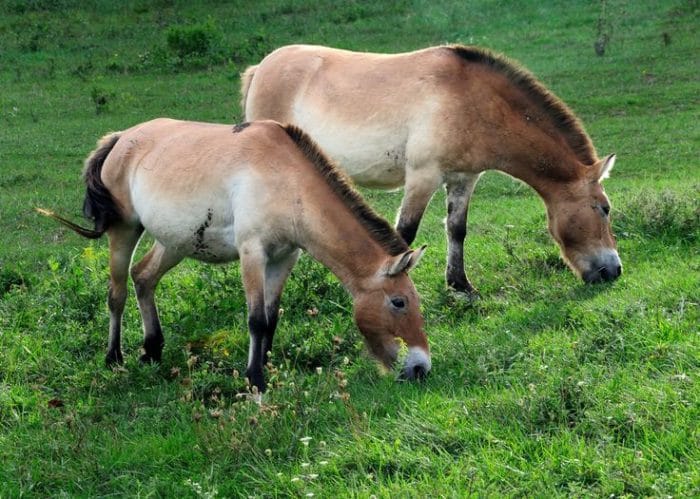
153 345
153 340
408 229
115 302
272 315
457 206
259 330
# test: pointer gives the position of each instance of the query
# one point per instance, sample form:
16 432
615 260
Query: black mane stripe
379 229
558 112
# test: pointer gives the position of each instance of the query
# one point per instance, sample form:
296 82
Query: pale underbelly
373 157
203 231
373 172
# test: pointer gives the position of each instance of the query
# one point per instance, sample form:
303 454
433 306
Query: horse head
579 221
387 312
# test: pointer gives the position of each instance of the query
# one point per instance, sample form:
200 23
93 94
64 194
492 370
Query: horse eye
398 302
606 209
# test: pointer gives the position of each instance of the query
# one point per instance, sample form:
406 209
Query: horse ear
605 167
404 262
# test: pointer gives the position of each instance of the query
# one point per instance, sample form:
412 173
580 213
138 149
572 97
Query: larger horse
256 192
442 116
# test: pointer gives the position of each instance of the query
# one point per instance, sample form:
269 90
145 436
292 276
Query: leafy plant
196 45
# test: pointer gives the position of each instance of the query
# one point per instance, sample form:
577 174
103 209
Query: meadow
544 386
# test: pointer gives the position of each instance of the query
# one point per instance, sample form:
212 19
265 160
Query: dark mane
562 117
379 229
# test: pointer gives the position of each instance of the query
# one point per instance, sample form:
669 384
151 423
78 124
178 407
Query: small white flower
319 370
305 465
305 440
296 479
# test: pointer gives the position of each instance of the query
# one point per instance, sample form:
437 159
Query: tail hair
99 205
246 79
85 232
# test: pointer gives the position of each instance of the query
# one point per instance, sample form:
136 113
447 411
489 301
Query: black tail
99 205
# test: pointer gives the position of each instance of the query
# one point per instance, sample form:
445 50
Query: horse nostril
604 274
618 271
419 372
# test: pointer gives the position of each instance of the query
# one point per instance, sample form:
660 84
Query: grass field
543 387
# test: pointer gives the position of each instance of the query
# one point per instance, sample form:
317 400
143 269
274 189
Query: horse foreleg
276 274
459 189
253 262
146 274
122 241
263 280
419 187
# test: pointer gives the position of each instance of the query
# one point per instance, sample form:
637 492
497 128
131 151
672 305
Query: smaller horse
257 192
443 116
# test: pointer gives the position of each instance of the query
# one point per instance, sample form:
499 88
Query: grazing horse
257 192
444 115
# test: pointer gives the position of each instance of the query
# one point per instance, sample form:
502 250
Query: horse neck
548 167
332 234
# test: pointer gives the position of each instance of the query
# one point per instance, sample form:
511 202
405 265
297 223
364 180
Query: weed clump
101 98
196 45
667 214
10 278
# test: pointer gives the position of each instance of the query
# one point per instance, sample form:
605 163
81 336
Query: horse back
373 113
354 85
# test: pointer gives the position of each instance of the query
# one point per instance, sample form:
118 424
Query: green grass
543 387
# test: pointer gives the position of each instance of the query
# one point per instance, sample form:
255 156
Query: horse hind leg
459 190
146 274
122 241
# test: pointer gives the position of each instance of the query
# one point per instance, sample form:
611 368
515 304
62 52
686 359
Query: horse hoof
114 358
467 294
149 359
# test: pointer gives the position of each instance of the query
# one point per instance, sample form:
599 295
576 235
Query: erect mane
379 229
562 117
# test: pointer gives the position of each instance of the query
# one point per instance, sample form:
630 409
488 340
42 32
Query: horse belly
214 244
372 156
204 231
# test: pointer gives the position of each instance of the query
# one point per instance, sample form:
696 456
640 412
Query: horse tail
246 79
99 205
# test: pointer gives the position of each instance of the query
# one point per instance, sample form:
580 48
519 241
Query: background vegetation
543 387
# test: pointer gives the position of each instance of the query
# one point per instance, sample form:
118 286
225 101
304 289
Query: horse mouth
417 365
604 266
603 274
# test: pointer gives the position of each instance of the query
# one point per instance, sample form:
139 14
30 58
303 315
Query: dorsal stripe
378 228
562 117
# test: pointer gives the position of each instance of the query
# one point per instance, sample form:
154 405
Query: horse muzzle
417 365
605 266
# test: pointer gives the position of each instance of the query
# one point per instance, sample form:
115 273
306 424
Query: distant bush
252 49
668 214
196 45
